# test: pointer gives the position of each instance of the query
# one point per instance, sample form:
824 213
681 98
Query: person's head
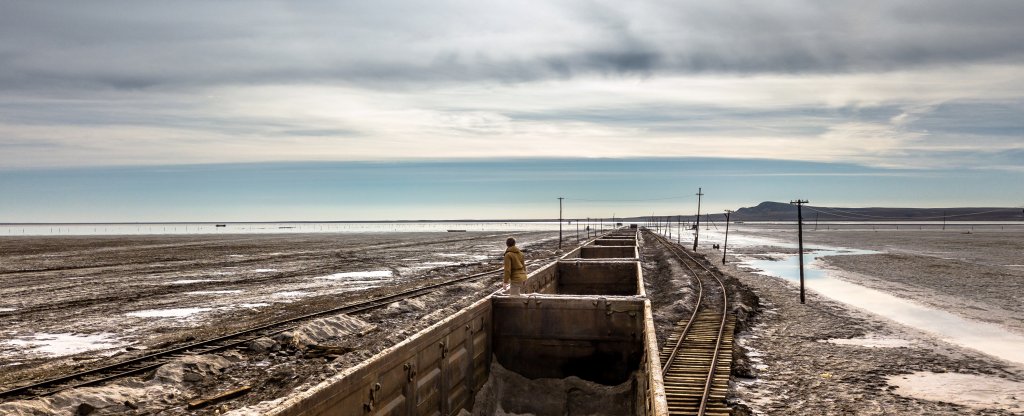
510 242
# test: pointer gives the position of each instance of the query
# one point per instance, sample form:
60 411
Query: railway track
697 357
152 361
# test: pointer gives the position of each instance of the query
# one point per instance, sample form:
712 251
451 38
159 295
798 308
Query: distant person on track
515 269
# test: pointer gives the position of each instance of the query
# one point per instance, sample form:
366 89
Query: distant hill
779 211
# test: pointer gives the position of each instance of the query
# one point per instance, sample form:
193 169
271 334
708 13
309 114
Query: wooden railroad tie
687 375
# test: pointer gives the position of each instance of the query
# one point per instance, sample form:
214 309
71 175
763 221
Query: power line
858 215
628 200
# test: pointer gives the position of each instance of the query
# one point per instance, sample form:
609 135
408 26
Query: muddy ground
77 302
822 357
976 272
826 357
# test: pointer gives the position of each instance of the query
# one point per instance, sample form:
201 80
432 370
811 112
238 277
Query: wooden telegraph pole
800 237
696 229
725 246
560 222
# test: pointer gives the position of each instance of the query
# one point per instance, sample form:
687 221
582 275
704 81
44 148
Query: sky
327 110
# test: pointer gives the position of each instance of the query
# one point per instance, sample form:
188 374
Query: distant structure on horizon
778 211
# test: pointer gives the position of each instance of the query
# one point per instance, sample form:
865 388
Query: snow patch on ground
57 345
8 309
253 305
374 274
293 293
264 270
870 340
964 389
439 263
167 313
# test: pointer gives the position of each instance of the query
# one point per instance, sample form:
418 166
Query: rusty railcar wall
614 242
608 252
543 280
651 389
600 339
608 340
611 277
435 372
592 252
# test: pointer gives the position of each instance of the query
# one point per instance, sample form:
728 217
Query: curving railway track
697 356
149 362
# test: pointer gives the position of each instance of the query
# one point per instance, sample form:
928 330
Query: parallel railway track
149 362
697 356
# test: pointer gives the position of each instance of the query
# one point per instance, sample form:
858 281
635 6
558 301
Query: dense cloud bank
910 84
130 45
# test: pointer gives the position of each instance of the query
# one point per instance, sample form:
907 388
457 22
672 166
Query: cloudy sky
248 110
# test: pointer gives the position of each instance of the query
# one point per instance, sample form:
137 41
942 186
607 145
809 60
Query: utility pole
800 237
696 229
816 222
943 220
679 229
725 246
560 222
577 232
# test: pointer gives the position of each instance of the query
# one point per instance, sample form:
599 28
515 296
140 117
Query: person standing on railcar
515 268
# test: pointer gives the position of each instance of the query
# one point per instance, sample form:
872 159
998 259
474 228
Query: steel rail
693 316
721 327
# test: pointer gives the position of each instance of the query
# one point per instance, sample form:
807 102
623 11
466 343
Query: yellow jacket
515 269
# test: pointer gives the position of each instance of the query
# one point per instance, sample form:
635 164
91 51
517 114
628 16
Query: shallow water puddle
788 265
985 337
57 345
167 313
963 389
